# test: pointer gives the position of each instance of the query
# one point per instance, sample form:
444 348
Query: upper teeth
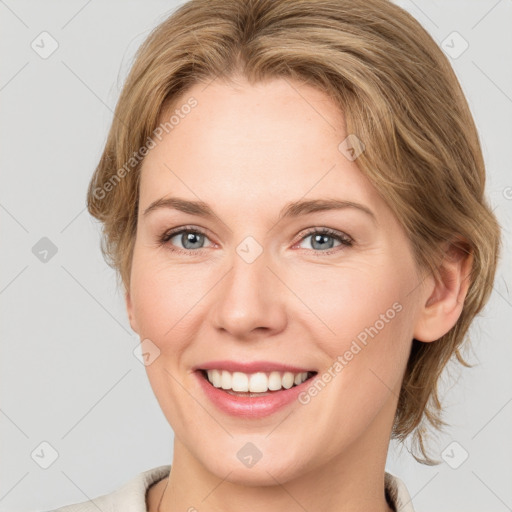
255 382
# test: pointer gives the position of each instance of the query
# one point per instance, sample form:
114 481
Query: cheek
161 294
167 298
351 299
369 317
165 301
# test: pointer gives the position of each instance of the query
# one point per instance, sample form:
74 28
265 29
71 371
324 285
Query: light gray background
69 376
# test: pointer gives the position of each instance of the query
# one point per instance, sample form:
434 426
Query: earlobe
444 298
129 310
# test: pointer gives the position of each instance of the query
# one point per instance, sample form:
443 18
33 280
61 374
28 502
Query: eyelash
345 240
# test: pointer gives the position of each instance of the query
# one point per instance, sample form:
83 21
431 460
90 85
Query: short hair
399 96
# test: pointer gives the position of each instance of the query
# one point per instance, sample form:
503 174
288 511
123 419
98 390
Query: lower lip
251 406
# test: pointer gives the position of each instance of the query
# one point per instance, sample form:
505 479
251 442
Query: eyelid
176 231
327 231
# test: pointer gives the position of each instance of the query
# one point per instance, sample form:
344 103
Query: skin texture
247 151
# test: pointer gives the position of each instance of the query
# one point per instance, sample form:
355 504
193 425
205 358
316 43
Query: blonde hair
398 94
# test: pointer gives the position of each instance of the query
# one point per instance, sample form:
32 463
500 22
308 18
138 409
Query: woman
300 227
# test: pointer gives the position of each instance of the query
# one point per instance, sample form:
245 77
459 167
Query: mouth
257 384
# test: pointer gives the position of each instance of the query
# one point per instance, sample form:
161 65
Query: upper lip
250 367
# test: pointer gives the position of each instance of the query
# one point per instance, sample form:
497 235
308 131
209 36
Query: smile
260 390
260 382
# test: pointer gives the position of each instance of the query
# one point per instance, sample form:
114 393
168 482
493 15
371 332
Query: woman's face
250 283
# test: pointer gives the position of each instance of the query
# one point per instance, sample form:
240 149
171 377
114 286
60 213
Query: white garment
131 497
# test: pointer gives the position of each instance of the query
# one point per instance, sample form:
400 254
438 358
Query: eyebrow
292 209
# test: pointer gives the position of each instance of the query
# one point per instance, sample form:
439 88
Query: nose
250 299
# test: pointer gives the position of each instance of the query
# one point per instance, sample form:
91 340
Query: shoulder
131 497
397 493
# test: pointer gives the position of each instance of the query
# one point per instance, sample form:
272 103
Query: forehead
277 140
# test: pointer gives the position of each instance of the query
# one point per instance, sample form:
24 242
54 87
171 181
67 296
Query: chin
262 470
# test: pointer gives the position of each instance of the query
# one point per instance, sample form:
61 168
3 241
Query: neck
352 481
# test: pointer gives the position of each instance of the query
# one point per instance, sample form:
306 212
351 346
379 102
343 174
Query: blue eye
322 240
191 239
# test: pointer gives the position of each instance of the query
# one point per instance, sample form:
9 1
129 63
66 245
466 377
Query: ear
129 310
444 296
